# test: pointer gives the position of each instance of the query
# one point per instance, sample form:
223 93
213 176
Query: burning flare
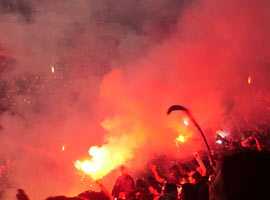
181 139
95 166
117 150
84 166
104 160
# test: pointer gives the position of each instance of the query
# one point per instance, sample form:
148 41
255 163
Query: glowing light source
97 167
52 68
85 166
94 151
186 122
114 153
249 79
223 134
63 148
219 141
181 139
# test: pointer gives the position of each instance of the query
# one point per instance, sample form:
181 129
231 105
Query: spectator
170 192
124 187
242 175
142 191
196 177
154 188
203 188
21 195
174 175
189 192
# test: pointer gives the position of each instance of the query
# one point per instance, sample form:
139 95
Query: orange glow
116 151
95 167
180 139
249 79
63 148
104 159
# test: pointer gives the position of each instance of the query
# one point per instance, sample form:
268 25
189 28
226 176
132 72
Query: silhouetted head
242 175
170 188
21 195
124 170
189 192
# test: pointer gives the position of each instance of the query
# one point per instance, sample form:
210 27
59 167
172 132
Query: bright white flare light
186 122
219 141
222 133
97 167
52 68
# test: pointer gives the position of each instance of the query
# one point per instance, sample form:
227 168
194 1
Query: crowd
239 173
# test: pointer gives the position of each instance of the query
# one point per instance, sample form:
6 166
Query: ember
52 68
249 79
186 122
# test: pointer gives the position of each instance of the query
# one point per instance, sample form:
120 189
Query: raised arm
153 168
104 189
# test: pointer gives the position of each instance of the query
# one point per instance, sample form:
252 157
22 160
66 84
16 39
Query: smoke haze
81 73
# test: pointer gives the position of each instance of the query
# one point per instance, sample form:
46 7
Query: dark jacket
126 185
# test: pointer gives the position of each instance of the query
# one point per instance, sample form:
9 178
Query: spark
52 68
219 141
249 79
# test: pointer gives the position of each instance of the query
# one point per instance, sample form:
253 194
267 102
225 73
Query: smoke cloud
83 73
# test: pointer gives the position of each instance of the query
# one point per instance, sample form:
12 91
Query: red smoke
115 78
